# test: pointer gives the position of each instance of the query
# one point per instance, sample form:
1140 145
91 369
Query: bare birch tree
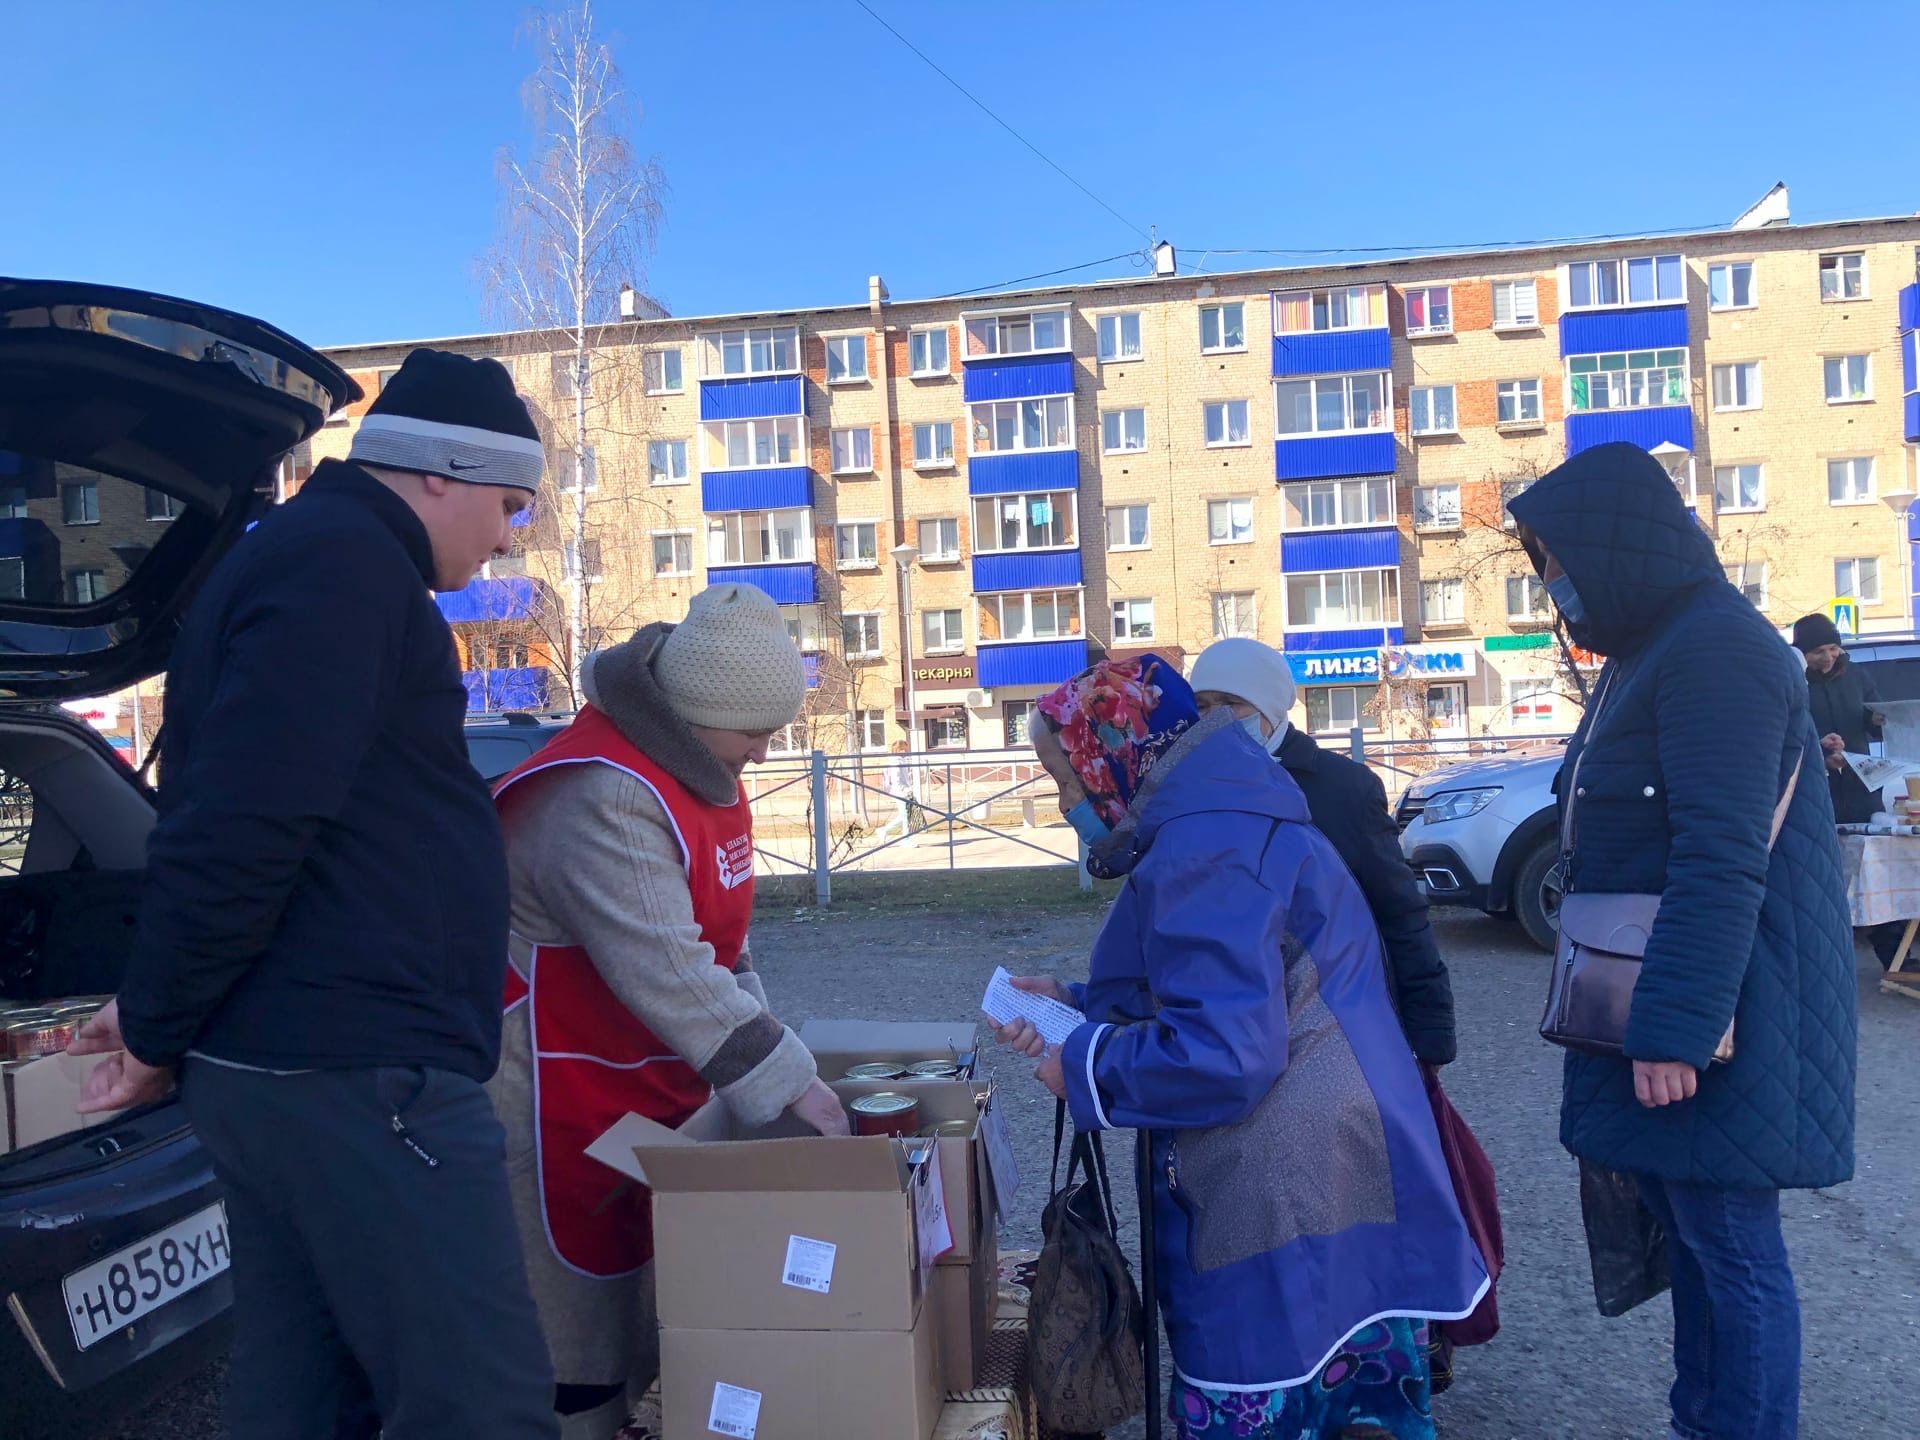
580 213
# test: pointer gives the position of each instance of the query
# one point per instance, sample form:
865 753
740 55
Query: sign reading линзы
1398 662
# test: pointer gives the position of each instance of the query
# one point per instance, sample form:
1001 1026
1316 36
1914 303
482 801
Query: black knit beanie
1810 632
452 415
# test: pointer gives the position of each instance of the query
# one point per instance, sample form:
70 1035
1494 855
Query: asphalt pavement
1557 1371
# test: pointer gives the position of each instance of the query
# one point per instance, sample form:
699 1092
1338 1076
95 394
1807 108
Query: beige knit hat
730 665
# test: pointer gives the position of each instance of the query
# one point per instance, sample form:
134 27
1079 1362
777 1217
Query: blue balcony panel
1908 368
528 688
1316 641
787 584
1024 472
1316 457
1037 662
1040 570
1018 377
756 398
1645 428
1333 352
1913 558
785 487
510 597
1910 308
1913 417
812 663
1606 332
1341 550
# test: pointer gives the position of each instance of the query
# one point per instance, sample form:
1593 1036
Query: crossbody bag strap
1786 803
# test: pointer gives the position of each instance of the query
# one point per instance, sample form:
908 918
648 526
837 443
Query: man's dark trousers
378 1283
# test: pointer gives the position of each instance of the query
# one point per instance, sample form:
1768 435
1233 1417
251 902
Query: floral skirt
1376 1388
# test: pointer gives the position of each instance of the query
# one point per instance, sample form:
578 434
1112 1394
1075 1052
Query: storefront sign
1335 667
101 714
942 674
1429 662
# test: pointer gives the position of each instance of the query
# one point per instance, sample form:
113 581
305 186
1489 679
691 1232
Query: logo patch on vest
734 860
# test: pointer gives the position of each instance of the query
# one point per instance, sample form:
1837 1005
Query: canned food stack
39 1082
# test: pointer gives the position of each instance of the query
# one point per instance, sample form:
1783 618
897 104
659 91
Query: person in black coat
1349 806
1845 704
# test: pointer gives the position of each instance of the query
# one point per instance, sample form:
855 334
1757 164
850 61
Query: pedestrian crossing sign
1844 611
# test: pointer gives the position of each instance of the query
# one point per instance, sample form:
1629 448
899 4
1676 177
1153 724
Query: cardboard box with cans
40 1084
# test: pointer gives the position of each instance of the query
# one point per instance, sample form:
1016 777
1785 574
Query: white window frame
1838 268
564 463
1146 517
871 621
1844 361
732 526
921 338
1520 390
1514 288
1362 697
1063 502
1853 463
1626 381
1739 576
1511 489
1414 395
1107 447
1459 593
848 375
998 602
679 537
933 461
1225 407
1444 520
1621 266
1001 330
870 727
717 435
1730 268
1315 383
89 492
1238 601
804 624
1220 309
1233 504
1736 372
656 358
1725 476
953 638
1418 332
1855 590
788 740
672 473
1336 306
852 434
991 410
857 562
562 367
1352 614
1539 696
715 343
1118 352
937 732
1533 590
1355 502
1125 629
938 557
570 560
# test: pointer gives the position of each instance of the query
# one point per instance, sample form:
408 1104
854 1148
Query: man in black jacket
1349 806
323 940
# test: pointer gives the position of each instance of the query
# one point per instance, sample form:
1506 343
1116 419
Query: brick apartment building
1317 457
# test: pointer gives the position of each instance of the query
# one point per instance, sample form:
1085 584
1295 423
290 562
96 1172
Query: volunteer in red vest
630 857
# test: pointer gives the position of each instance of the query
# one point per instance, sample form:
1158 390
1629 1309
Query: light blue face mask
1560 590
1087 823
1255 725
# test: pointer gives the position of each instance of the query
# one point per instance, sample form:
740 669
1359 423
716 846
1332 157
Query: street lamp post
904 555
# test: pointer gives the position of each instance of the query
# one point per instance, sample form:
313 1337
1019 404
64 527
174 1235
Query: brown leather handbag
1603 939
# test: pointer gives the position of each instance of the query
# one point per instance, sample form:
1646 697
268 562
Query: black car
139 436
497 743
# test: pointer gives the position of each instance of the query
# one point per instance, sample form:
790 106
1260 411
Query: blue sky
330 167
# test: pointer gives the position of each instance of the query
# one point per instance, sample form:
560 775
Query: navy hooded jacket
1700 721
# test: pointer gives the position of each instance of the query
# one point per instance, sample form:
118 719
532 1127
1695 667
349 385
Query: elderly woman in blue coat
1698 730
1305 1224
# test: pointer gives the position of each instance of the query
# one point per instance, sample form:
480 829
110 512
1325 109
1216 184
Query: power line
1135 255
985 109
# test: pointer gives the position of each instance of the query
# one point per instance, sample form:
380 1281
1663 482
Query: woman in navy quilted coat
1699 724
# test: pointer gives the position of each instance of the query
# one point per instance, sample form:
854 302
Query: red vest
593 1061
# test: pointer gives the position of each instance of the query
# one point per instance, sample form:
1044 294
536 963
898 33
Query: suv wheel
1536 904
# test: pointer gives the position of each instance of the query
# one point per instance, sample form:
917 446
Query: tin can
874 1070
934 1070
30 1039
887 1113
949 1130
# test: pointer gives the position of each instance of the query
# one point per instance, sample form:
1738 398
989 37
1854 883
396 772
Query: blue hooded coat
1701 721
1243 1018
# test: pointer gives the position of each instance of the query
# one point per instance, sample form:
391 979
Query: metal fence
817 816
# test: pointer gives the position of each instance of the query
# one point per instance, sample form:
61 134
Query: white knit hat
1249 671
730 665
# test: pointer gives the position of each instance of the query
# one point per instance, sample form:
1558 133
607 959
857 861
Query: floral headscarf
1116 721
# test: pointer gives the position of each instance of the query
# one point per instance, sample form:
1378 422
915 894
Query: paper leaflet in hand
1004 1004
1885 775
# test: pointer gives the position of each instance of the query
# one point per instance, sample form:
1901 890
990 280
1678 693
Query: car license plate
111 1294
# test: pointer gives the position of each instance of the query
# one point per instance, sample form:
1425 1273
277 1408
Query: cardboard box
805 1233
963 1299
39 1096
839 1044
963 1160
799 1385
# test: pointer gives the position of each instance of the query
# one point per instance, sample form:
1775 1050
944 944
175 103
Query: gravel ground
922 947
